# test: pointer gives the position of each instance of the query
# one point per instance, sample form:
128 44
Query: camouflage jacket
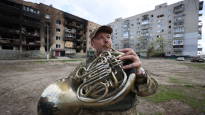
145 85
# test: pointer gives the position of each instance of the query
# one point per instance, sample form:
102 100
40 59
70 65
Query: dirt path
21 83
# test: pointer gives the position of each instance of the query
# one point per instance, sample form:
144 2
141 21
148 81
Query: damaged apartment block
30 30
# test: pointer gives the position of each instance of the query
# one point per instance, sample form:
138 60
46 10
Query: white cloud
105 11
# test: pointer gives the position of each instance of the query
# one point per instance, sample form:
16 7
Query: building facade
34 30
178 26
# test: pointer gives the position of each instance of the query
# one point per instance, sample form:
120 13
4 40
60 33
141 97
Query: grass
174 79
196 65
193 96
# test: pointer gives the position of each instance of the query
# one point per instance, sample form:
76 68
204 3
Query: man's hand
133 57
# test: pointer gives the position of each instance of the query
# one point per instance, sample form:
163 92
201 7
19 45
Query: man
144 85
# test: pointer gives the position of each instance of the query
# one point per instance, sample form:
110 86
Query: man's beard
99 51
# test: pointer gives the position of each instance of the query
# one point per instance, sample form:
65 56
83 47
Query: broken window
58 29
58 38
58 22
58 45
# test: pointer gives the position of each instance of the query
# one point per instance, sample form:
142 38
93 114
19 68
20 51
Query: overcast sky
106 11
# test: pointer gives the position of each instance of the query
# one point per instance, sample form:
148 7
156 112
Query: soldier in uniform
144 84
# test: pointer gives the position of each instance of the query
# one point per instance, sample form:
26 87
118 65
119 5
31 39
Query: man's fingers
128 57
133 65
125 50
130 53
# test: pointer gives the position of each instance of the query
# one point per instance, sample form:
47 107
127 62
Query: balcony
31 23
178 35
70 30
32 15
70 51
4 41
178 45
179 9
68 44
74 24
178 48
145 22
178 23
145 26
178 30
179 20
200 24
69 37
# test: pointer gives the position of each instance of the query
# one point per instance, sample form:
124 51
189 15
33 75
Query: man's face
101 42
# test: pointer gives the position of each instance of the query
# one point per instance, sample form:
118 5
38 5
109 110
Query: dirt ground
22 82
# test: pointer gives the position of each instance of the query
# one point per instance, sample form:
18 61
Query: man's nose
106 40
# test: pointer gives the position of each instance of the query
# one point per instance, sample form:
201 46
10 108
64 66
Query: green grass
177 80
196 65
187 94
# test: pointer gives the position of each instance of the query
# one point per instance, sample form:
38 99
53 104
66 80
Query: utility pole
47 36
47 43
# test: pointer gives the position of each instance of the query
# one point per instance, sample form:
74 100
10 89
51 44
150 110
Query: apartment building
178 24
33 30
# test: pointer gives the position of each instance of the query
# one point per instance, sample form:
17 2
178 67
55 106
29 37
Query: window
179 29
159 16
31 10
58 29
199 49
7 47
125 34
38 12
24 8
58 45
58 38
58 22
178 42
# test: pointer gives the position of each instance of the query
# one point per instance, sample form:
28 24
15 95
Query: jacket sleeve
145 85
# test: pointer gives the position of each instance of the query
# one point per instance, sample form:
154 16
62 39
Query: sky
106 11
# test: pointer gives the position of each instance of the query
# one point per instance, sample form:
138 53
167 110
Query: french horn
102 82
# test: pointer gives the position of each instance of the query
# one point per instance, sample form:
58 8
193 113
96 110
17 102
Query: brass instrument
102 82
